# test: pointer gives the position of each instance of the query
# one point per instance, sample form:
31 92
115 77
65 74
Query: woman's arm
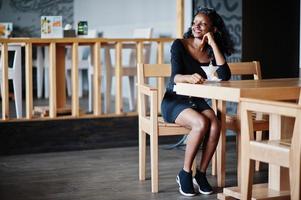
223 71
194 78
177 63
219 57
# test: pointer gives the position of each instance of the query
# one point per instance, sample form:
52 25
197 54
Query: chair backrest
152 71
239 69
16 49
144 71
14 68
246 68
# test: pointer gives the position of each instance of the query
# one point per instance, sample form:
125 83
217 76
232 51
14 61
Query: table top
274 89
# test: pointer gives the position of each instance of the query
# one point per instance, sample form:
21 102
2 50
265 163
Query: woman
206 41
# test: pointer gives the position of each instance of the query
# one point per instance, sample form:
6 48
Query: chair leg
132 102
39 81
39 72
258 138
90 92
108 92
18 95
295 186
80 84
214 158
194 167
154 162
213 164
68 82
295 176
46 83
238 153
17 82
142 154
247 182
46 72
221 148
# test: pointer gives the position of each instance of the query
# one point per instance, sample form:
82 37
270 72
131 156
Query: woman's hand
208 38
195 78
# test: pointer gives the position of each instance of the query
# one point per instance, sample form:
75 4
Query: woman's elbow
227 77
224 72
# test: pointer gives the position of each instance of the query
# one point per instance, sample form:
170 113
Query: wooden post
28 80
118 78
60 76
5 98
139 52
108 78
160 80
180 18
74 78
52 80
214 157
139 61
96 79
221 147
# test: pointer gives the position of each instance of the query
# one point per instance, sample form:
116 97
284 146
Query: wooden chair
15 74
150 122
285 153
232 121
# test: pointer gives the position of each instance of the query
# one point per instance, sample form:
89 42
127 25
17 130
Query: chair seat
163 123
166 128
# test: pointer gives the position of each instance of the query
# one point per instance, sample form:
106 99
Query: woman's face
201 25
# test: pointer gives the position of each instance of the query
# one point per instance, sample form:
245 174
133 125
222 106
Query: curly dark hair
222 36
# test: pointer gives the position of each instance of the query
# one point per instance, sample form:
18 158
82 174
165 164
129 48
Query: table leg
221 147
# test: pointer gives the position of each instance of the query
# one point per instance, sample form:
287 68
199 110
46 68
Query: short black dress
183 63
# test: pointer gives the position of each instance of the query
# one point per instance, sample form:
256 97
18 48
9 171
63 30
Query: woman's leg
199 125
211 140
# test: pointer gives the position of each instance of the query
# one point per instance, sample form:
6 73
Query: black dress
183 63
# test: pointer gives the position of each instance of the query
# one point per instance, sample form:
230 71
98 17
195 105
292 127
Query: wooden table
272 89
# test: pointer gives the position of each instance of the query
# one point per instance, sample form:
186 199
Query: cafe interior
81 89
